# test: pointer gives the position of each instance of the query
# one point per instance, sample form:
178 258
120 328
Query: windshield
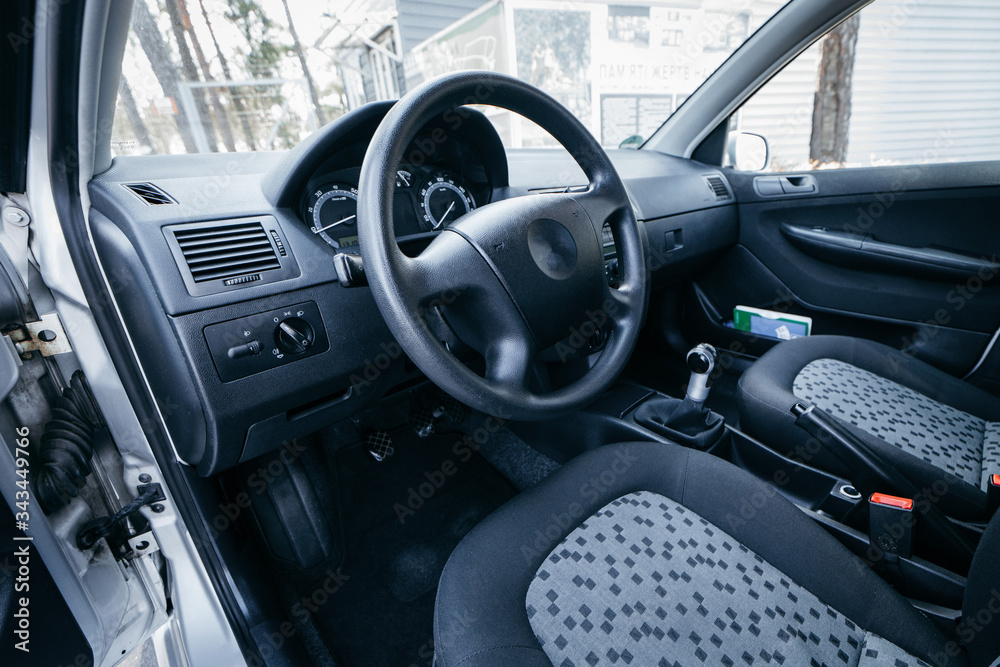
248 75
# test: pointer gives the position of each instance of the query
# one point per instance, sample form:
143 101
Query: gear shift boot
682 421
687 422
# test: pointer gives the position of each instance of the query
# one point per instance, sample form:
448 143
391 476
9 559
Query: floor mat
402 518
410 552
518 461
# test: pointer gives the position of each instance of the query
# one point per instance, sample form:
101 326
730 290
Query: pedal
422 422
454 411
379 445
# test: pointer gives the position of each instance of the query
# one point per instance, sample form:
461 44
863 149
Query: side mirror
632 142
747 151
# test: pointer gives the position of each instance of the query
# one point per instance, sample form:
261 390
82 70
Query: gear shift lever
687 422
701 361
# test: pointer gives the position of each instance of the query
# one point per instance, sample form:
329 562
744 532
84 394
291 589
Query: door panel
907 256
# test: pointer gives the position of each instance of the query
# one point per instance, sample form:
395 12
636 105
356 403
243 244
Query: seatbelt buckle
992 494
890 524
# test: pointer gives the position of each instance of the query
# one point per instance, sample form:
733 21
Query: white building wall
926 88
927 82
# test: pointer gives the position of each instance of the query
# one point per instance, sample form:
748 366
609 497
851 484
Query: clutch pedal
379 445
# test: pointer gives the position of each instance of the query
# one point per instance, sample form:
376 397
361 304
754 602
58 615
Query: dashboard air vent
221 252
149 193
718 187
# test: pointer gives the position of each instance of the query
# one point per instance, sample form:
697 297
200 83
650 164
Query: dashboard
223 265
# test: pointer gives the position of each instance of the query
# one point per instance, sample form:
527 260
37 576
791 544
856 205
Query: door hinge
46 336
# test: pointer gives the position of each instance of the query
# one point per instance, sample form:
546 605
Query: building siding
420 20
926 88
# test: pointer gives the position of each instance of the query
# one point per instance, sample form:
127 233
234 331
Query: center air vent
718 187
219 256
149 193
217 253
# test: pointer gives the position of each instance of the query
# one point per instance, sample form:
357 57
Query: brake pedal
379 445
422 422
453 409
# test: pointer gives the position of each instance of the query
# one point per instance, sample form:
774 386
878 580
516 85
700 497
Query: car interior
418 398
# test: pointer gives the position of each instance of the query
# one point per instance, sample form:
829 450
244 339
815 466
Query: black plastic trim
863 250
16 24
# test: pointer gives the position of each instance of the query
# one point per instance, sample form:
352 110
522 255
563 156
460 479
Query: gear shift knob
701 361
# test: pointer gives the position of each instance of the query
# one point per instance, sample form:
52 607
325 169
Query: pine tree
215 99
831 116
156 51
191 73
300 52
236 95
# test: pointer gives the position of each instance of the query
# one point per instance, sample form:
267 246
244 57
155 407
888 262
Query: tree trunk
191 72
237 97
163 67
134 117
832 102
218 106
300 52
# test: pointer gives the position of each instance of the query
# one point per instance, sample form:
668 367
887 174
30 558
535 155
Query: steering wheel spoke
509 362
431 276
601 205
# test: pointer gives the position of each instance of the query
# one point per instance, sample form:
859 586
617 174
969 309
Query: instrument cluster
428 197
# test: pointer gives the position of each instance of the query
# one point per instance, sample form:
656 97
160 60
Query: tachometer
442 201
332 212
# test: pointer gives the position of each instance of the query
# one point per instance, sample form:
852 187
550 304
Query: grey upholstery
939 434
934 428
646 581
481 617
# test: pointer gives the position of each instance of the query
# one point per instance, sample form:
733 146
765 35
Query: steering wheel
513 277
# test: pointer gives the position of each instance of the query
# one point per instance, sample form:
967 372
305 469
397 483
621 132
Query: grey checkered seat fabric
937 430
651 554
954 441
646 581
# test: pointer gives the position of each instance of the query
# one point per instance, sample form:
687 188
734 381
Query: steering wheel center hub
552 247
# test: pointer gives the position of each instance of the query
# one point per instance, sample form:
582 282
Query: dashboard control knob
294 335
244 350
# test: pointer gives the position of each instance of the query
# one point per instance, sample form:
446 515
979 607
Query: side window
902 82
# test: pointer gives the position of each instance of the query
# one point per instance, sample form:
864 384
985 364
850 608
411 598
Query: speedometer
442 201
332 212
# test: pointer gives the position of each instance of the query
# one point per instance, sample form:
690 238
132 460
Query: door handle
773 186
798 184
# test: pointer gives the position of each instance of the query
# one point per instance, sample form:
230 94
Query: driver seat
655 555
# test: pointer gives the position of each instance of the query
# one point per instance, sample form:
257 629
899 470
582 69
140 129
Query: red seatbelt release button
891 522
895 501
992 495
